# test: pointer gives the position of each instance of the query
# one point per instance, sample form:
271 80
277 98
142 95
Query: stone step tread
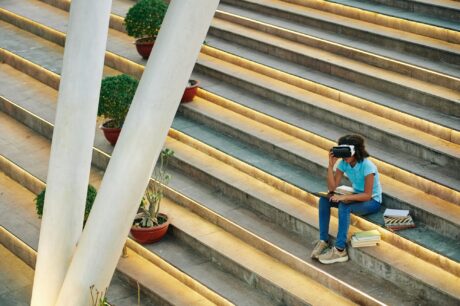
442 3
383 9
16 279
262 265
295 207
101 143
21 135
290 128
377 98
330 105
354 42
19 217
438 75
265 194
35 49
158 281
41 158
120 8
297 178
310 124
375 29
202 268
332 59
304 149
59 26
116 44
299 245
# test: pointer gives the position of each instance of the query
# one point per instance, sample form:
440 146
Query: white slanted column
144 132
71 149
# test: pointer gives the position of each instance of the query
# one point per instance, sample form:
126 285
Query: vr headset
342 151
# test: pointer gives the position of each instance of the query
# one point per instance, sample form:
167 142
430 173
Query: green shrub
90 197
117 93
144 18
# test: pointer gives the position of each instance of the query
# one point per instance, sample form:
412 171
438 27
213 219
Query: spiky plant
151 201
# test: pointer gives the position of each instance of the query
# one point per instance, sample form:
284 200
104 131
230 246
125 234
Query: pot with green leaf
143 22
150 224
117 93
90 197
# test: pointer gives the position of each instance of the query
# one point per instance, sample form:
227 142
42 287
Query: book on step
365 238
397 219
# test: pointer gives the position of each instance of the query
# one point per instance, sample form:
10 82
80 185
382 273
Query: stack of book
365 239
397 219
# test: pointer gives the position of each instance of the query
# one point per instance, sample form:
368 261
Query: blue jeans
358 208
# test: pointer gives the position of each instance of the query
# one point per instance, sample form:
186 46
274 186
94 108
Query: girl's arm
333 180
358 197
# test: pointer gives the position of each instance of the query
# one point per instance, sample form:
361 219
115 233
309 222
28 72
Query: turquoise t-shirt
358 173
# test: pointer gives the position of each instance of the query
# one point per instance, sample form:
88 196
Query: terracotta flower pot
146 235
190 91
144 47
111 134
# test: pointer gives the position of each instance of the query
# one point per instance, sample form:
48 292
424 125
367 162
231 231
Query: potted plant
143 22
90 197
190 91
117 93
149 224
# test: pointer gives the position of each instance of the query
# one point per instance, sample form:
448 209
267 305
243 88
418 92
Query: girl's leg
358 208
324 217
344 224
364 208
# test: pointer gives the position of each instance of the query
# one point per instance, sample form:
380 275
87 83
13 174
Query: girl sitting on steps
364 177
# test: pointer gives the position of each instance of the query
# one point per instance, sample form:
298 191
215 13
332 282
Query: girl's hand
332 159
338 198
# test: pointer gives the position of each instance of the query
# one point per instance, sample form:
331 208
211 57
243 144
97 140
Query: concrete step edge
372 253
361 19
181 276
257 268
16 246
383 19
135 69
440 215
52 79
317 105
126 267
302 195
327 280
317 88
372 34
336 65
358 221
270 249
410 70
35 185
399 174
103 156
101 162
138 65
111 58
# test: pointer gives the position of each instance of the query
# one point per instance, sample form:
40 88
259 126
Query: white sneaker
333 255
319 248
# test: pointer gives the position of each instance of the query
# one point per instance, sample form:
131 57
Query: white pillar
144 132
71 149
